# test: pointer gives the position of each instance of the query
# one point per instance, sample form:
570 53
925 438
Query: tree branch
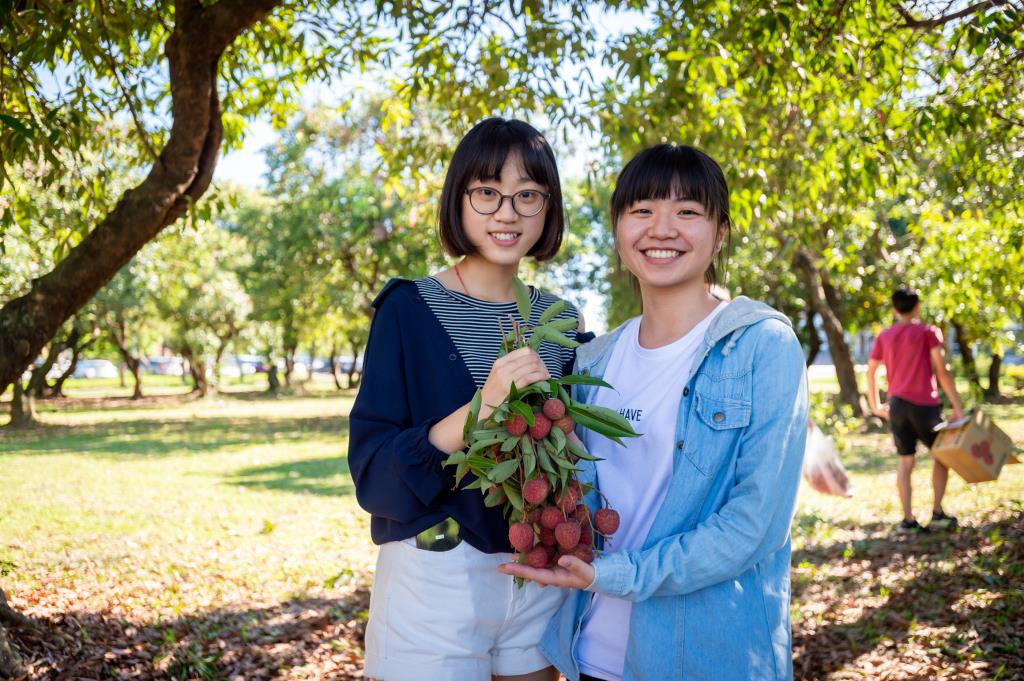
910 21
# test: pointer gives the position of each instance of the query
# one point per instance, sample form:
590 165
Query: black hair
905 300
480 156
676 171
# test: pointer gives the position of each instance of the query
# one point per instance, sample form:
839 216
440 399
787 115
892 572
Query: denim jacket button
686 391
679 445
585 372
718 417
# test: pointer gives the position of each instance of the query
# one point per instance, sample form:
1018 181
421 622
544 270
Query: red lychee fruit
582 515
533 516
587 535
547 537
567 502
583 552
517 426
541 426
537 557
520 535
606 521
550 517
568 534
536 490
554 408
566 424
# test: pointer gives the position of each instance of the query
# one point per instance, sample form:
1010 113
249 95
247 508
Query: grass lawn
220 538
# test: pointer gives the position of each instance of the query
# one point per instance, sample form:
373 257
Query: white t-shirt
648 386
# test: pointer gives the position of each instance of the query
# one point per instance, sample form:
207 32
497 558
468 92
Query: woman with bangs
695 584
439 610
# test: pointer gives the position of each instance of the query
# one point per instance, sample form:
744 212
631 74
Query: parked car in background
345 364
237 366
95 368
164 366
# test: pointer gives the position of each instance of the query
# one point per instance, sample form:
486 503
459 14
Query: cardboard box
973 446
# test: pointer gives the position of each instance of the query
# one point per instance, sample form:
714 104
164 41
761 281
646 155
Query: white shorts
450 616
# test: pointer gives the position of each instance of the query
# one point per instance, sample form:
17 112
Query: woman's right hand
522 367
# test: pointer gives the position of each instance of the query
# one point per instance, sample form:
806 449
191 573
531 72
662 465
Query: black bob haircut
676 171
905 300
480 156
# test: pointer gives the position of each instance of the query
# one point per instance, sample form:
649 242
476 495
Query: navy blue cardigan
413 376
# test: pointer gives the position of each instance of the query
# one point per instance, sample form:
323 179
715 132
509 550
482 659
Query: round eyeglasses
526 203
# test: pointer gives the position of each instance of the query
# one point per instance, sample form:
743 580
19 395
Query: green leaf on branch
513 495
529 464
509 444
484 444
552 336
474 414
577 379
558 438
523 410
552 312
522 298
562 325
544 458
582 453
503 471
495 498
603 420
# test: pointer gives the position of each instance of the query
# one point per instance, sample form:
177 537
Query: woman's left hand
570 573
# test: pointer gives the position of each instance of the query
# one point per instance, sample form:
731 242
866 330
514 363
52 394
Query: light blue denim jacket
710 587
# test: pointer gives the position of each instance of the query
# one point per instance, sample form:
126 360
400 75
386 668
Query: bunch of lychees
523 456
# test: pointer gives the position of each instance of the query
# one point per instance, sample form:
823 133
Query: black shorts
912 422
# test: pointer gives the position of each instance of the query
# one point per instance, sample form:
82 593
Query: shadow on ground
297 639
311 476
152 437
956 605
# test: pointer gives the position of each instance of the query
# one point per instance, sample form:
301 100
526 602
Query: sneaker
911 527
941 521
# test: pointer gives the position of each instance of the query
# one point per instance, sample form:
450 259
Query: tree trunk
353 382
273 382
134 365
23 408
814 340
289 364
817 283
10 659
992 391
178 178
967 355
37 387
334 366
197 371
57 390
216 363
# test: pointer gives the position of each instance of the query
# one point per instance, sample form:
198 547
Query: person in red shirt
914 359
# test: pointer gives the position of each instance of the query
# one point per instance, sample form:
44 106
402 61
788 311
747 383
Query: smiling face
667 242
504 237
670 213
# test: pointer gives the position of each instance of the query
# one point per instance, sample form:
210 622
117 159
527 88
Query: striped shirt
473 326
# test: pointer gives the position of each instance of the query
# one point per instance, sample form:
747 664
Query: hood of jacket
738 315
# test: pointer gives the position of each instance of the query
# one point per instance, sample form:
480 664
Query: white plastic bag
822 468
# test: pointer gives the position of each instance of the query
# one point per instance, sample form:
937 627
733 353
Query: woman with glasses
439 608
